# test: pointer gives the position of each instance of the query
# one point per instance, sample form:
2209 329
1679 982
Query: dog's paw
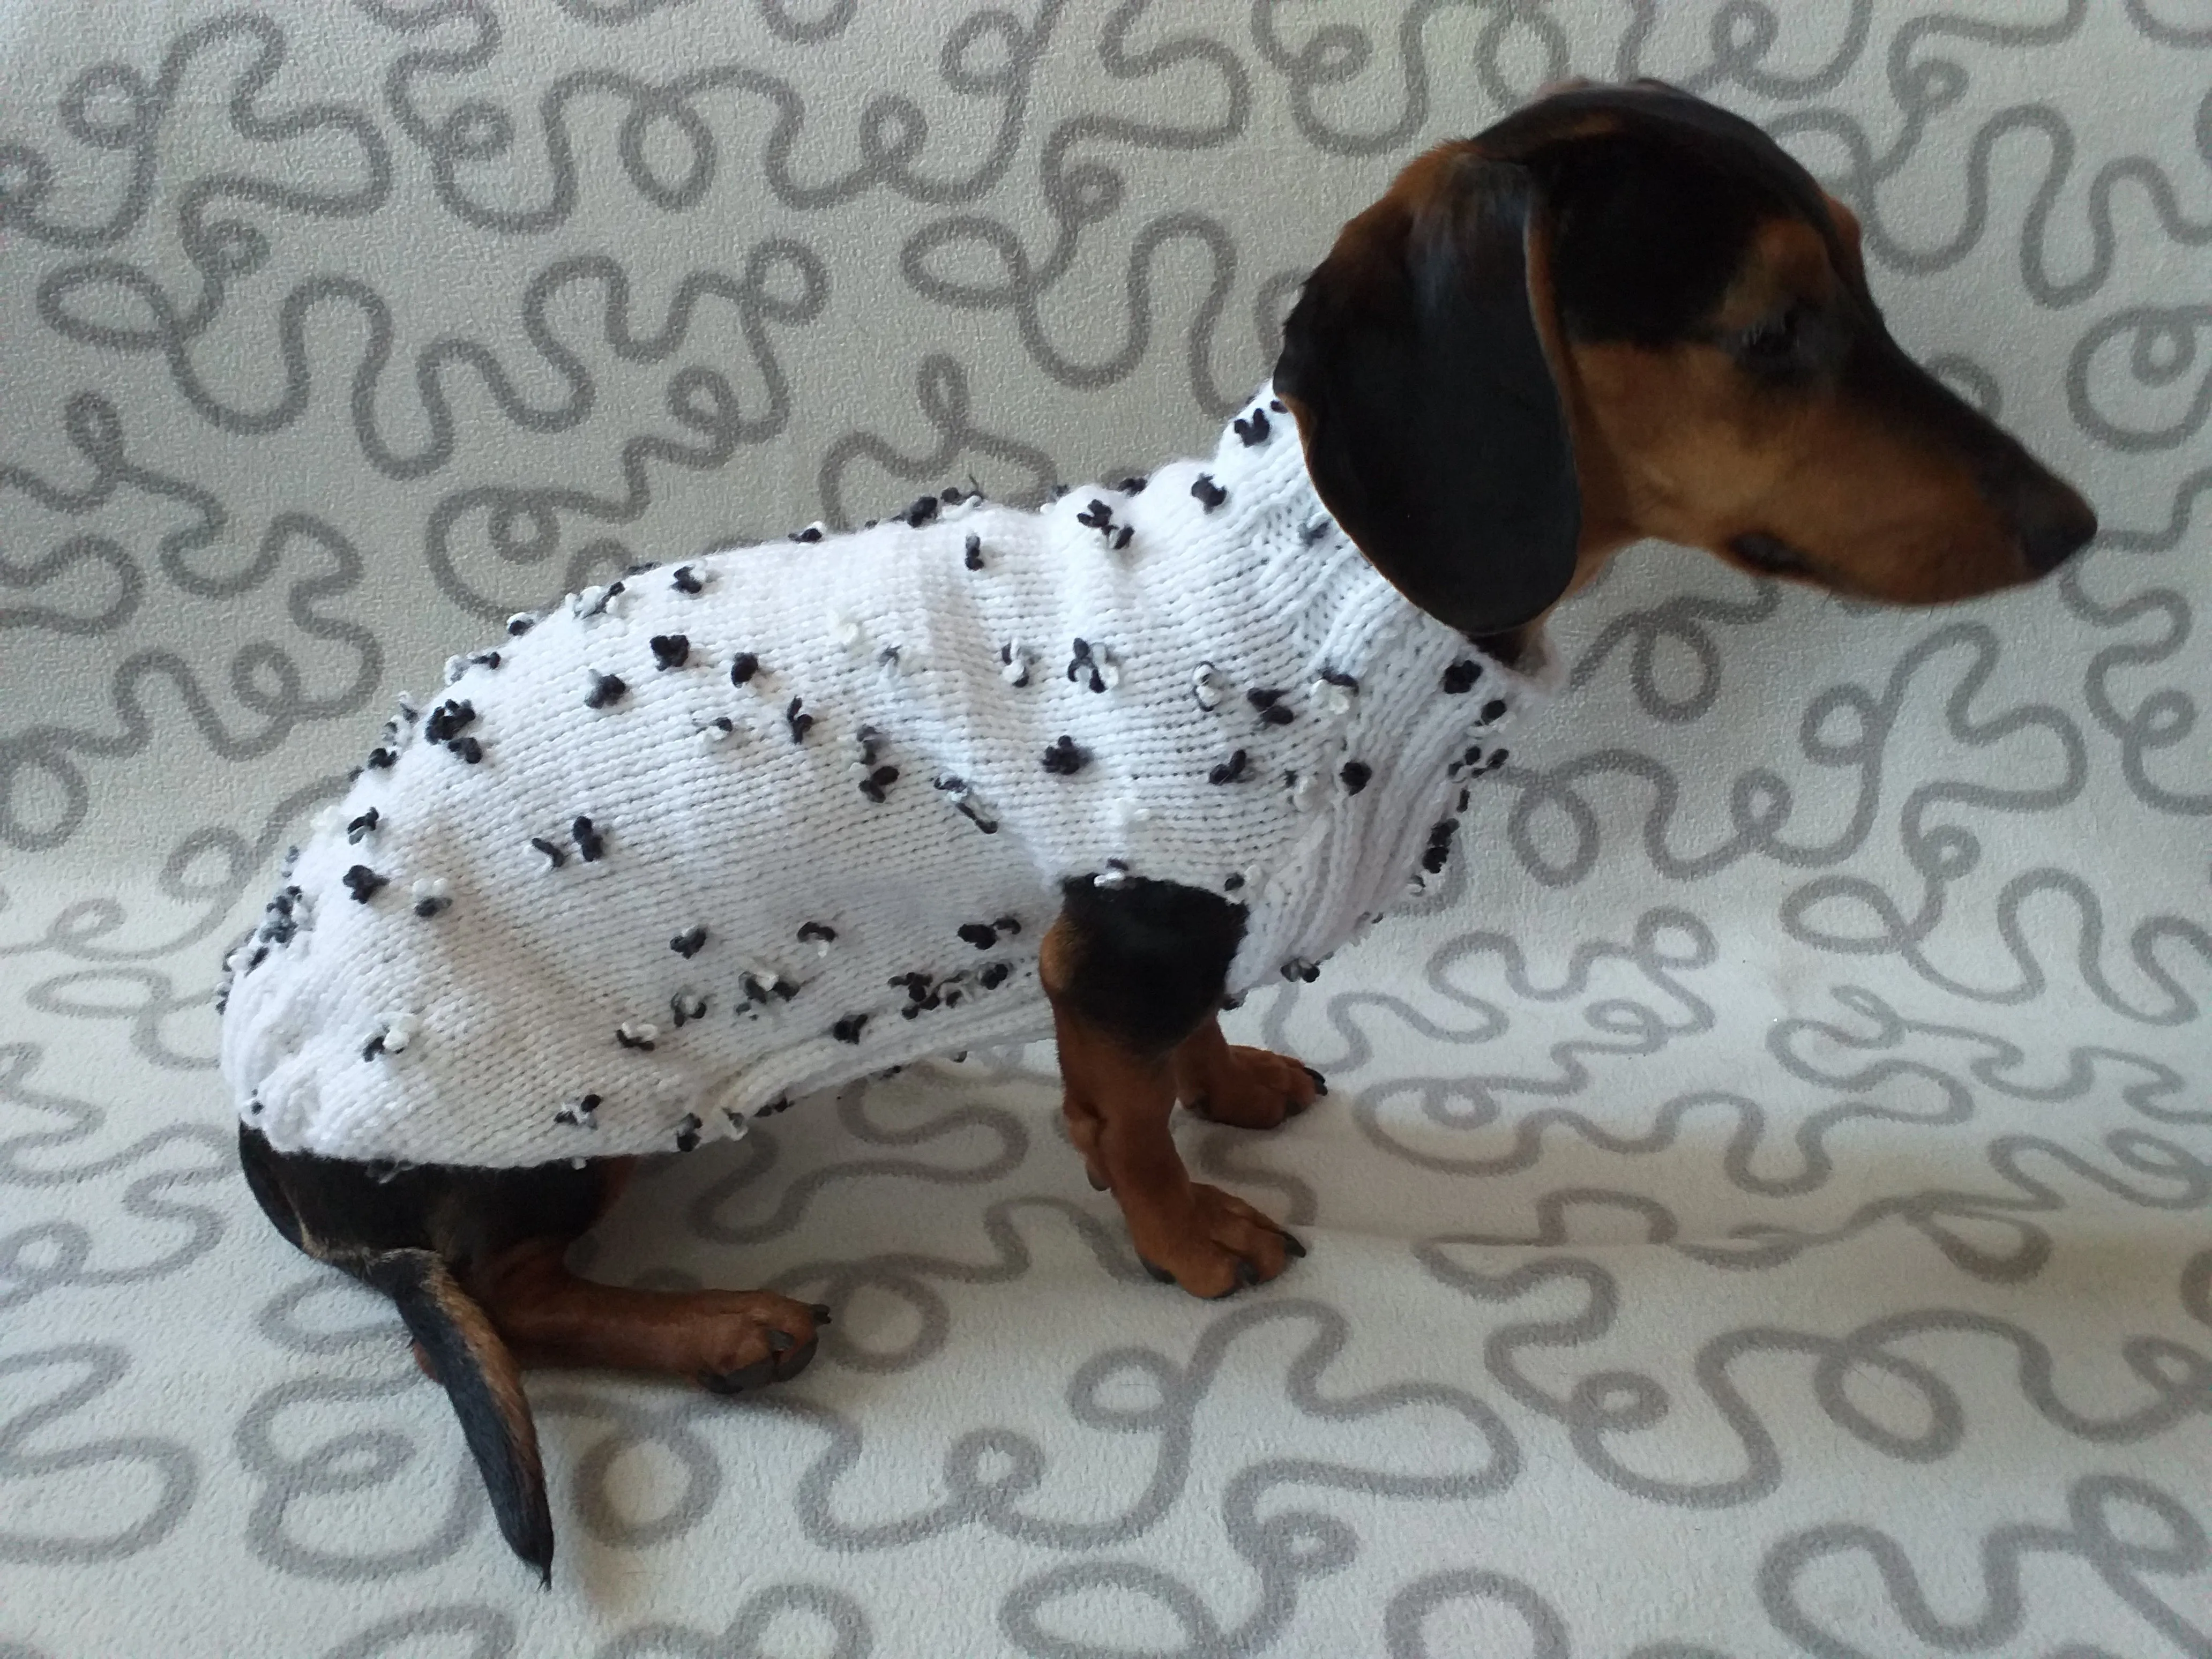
1253 1089
758 1338
1219 1246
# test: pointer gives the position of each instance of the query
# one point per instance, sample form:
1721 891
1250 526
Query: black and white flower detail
394 1035
966 802
582 1113
1093 666
593 602
1207 687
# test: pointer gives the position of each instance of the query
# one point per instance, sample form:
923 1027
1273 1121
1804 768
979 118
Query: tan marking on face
1704 451
1706 454
1786 261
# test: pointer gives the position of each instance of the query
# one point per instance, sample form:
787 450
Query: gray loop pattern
1761 1205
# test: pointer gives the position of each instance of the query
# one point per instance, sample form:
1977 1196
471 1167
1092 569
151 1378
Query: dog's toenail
1247 1274
820 1310
1292 1244
1320 1083
1158 1275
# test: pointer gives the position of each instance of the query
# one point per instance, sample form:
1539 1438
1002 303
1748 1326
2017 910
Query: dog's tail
484 1384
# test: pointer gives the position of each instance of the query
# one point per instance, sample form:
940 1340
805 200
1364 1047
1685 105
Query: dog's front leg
1244 1088
1134 972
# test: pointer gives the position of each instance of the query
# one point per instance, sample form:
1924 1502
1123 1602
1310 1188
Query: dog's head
1622 313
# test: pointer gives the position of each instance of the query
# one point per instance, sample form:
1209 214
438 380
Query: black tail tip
530 1538
518 1504
2059 526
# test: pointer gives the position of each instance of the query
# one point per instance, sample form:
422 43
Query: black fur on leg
1148 959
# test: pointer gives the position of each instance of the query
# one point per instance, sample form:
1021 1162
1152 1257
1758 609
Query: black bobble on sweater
1437 854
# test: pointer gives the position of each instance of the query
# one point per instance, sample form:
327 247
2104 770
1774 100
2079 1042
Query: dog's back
786 815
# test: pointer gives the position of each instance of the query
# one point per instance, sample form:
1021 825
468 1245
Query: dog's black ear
1433 425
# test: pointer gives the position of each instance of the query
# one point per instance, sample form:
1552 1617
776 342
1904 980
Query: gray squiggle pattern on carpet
1761 1204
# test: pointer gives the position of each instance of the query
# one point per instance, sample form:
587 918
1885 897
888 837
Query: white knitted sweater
792 814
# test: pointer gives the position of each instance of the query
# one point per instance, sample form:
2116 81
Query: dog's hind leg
1135 971
503 1233
472 1259
730 1341
383 1232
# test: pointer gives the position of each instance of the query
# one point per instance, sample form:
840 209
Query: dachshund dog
1620 313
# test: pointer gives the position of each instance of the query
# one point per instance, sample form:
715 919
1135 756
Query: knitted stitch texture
788 815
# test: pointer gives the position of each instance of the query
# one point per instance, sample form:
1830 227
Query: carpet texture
1761 1204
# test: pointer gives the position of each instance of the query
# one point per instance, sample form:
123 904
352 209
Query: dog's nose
2055 524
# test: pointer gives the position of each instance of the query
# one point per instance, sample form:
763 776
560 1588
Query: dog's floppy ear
1433 425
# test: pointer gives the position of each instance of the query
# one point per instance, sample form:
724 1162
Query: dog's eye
1775 342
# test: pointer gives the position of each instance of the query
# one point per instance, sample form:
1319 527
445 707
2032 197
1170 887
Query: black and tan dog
1619 313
